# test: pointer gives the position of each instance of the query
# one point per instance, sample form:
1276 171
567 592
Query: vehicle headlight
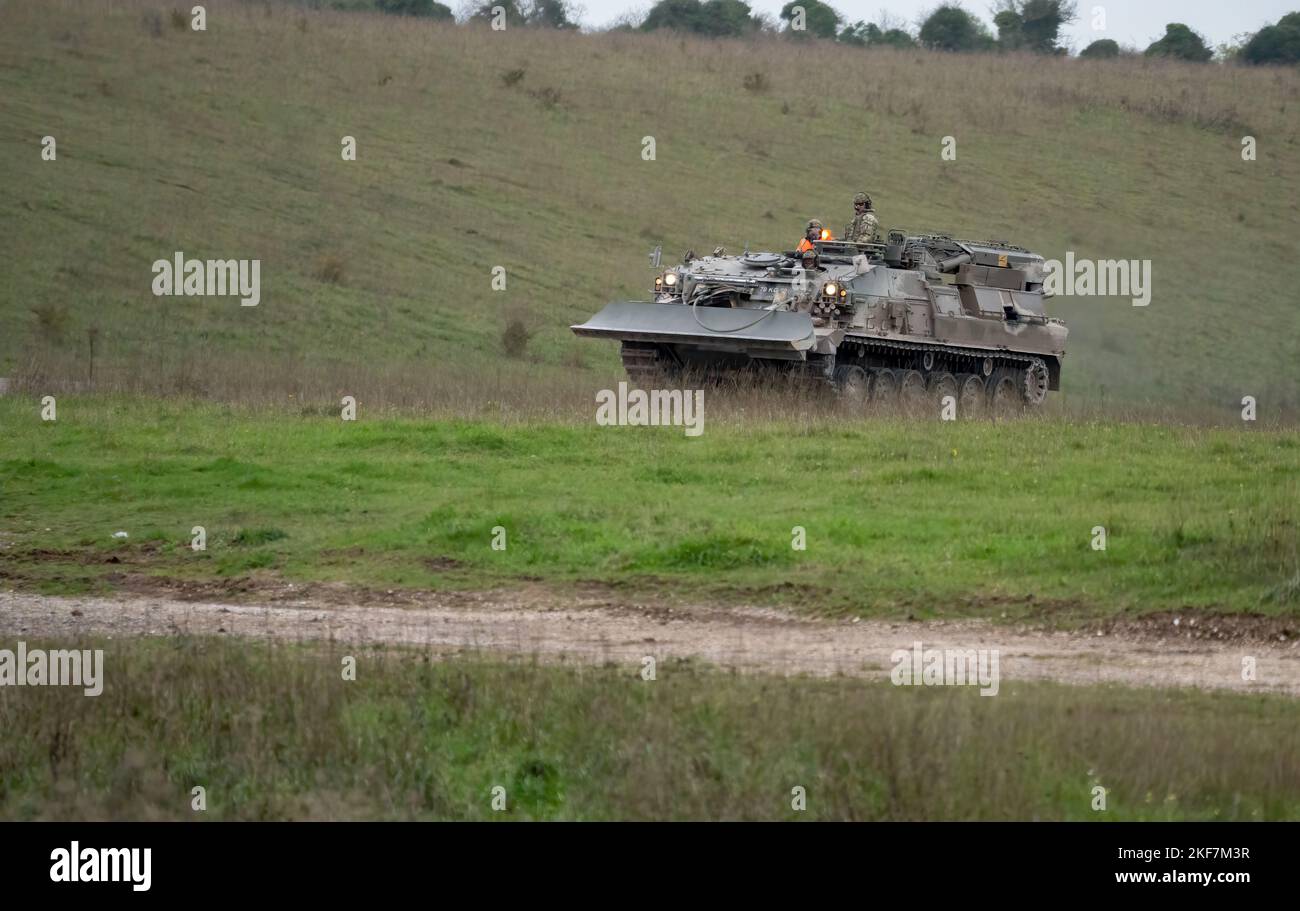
670 279
830 289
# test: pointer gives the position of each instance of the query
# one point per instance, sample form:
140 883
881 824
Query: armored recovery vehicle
915 319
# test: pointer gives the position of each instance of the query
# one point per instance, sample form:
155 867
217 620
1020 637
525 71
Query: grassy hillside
900 517
227 144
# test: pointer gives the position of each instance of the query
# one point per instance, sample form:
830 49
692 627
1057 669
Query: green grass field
227 144
274 732
901 516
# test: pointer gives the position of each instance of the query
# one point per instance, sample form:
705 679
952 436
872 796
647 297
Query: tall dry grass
272 732
513 391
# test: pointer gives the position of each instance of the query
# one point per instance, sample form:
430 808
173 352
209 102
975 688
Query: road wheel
1033 385
884 388
970 396
941 386
852 384
911 392
1004 394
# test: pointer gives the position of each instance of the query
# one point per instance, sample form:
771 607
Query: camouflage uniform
865 227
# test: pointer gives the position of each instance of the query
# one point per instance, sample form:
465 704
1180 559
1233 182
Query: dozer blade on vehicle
760 333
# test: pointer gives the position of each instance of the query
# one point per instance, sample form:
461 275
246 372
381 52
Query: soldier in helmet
805 269
865 228
813 232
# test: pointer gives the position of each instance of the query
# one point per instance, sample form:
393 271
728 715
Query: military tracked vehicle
915 319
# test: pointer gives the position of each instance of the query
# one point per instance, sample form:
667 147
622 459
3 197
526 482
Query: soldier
865 227
806 266
813 232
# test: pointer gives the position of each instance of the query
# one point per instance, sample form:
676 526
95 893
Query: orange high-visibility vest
806 244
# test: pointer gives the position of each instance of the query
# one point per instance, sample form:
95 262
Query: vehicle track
595 630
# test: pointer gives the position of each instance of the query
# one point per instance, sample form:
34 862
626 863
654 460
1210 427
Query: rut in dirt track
554 628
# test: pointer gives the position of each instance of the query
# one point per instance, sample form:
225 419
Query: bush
1181 43
1275 43
52 321
428 9
515 338
331 269
1104 49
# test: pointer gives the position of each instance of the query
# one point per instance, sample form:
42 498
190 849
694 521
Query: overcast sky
1130 22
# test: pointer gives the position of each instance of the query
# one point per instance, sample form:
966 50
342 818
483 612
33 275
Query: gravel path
597 630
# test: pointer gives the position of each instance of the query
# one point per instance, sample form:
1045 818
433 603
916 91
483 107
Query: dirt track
593 630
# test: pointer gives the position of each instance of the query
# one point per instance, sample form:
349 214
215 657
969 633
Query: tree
528 13
1181 43
1102 49
951 28
1278 43
550 14
727 18
1042 21
868 34
1033 24
715 18
1230 51
681 15
820 20
429 9
514 15
1011 30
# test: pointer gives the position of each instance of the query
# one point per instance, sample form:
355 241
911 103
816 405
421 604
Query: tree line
1021 25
